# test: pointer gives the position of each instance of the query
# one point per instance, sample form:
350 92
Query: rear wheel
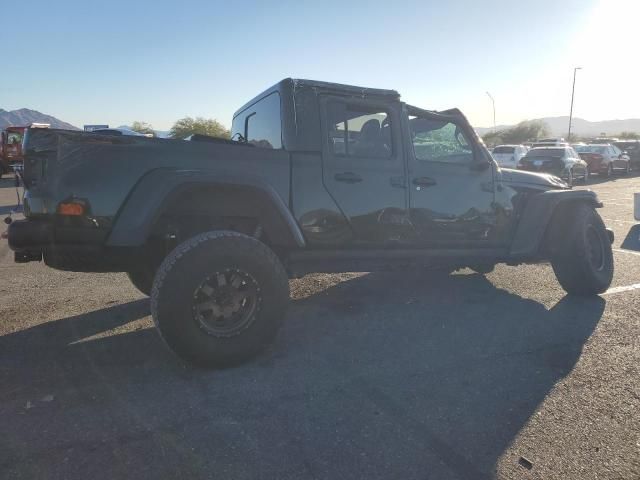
584 263
219 298
142 279
570 178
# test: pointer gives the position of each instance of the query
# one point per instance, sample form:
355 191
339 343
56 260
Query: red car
604 159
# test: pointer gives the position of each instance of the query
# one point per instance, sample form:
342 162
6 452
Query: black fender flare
537 214
154 192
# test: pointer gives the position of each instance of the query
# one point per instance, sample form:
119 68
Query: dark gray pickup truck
318 177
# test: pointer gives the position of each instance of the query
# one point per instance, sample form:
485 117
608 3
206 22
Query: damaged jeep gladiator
318 177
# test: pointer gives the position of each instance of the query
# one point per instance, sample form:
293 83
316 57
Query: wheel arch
164 190
541 213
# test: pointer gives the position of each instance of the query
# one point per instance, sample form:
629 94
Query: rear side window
260 124
504 150
14 138
358 131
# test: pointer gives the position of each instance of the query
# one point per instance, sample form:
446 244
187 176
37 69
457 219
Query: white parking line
622 250
627 288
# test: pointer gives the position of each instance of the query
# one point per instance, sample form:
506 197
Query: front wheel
219 298
584 263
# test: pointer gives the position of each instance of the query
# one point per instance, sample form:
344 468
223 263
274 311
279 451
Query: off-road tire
583 264
570 179
183 272
484 269
142 279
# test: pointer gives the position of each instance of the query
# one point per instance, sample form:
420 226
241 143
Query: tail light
73 208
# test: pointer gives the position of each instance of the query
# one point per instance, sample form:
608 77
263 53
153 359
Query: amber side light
73 209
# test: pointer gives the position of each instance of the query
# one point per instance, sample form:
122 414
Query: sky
156 61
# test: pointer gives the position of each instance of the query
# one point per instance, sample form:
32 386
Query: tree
526 130
142 127
629 135
491 139
188 126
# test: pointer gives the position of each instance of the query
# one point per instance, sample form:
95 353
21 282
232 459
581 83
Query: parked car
563 162
322 178
632 148
605 159
508 156
554 140
117 132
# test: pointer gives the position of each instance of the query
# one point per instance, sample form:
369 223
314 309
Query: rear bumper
78 249
26 235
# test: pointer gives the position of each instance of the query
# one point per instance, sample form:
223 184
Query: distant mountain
559 126
25 116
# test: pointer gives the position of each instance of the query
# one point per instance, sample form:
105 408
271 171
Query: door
451 184
363 168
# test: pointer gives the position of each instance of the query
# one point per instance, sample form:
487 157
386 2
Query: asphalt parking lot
386 376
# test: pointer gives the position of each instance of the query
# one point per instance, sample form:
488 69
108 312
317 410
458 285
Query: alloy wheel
226 303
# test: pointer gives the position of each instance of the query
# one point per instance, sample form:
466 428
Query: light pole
493 102
573 90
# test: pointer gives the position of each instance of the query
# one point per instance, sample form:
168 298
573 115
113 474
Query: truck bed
62 164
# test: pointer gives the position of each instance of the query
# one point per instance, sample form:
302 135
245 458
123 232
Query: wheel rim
226 303
595 248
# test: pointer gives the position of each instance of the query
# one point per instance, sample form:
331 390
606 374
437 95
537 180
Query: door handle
424 181
347 177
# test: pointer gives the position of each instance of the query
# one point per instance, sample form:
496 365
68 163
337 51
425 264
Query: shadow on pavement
382 376
632 240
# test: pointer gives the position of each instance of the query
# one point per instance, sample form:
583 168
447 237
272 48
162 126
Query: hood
542 181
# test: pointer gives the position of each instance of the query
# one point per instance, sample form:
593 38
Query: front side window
260 124
436 140
358 131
